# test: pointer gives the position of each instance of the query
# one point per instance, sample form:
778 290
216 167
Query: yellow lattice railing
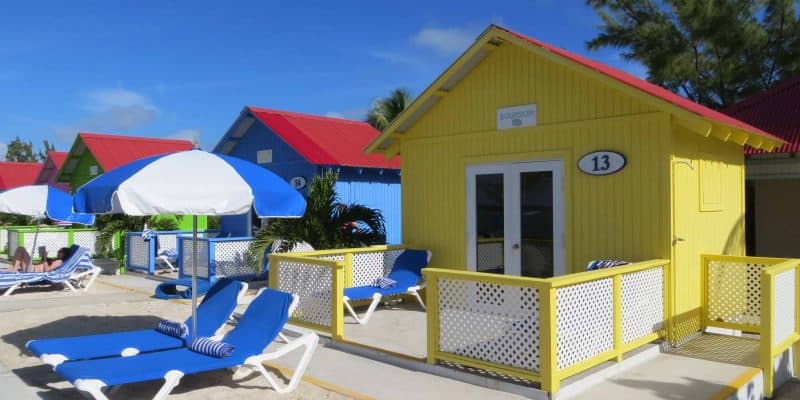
756 295
544 330
320 277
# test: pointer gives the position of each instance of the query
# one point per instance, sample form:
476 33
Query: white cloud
191 134
446 41
334 114
115 109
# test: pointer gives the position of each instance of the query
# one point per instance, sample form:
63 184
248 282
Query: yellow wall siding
624 215
513 76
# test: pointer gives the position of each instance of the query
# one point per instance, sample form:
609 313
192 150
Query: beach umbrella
40 202
192 182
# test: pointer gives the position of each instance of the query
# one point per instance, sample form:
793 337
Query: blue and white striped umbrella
42 201
193 183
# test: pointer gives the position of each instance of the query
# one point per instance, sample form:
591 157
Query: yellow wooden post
548 345
432 293
765 359
274 272
668 298
704 292
348 269
617 304
337 301
796 346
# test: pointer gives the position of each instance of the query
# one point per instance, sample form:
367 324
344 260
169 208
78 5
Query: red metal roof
111 151
58 158
777 110
326 140
645 86
15 174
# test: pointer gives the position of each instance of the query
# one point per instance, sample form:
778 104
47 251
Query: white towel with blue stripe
384 283
149 234
602 264
172 328
211 347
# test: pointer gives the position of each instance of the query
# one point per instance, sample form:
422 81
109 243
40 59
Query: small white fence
142 255
216 257
51 239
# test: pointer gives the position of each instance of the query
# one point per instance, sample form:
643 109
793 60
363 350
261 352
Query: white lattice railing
320 277
780 326
51 238
4 234
544 329
141 254
216 257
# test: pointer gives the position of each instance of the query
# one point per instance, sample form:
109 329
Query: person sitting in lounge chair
22 261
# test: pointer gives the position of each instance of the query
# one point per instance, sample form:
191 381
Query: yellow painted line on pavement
737 383
321 383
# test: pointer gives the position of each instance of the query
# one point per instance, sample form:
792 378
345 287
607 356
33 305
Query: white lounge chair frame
306 340
55 359
376 300
82 278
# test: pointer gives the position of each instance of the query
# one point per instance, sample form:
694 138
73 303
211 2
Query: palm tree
108 226
327 224
386 109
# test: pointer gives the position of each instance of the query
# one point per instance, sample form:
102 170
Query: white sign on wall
298 182
264 156
602 162
516 117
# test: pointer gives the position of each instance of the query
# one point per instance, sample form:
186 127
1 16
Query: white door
515 218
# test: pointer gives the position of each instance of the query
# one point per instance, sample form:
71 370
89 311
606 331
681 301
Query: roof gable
320 140
15 174
50 166
698 118
775 110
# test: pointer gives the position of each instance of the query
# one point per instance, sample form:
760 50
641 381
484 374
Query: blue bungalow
299 146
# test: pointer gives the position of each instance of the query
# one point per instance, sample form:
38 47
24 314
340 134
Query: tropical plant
16 220
713 52
20 151
327 224
386 109
108 226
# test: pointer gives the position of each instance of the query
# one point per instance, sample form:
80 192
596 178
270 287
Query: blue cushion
259 326
407 272
213 311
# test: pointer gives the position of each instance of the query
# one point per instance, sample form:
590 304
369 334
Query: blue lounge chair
406 271
77 268
217 306
264 319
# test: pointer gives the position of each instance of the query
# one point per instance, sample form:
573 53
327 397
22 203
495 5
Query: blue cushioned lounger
77 268
261 323
216 307
406 271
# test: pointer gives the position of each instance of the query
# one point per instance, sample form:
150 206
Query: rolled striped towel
148 234
384 283
211 347
601 264
172 328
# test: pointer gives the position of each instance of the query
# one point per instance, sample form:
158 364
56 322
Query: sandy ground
51 312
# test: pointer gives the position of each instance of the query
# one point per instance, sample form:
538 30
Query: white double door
515 218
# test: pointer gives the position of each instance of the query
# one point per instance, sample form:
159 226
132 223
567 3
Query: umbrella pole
194 277
33 249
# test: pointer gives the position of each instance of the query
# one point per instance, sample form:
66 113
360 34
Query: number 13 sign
602 162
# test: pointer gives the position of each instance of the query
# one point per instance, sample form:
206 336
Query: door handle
677 239
515 246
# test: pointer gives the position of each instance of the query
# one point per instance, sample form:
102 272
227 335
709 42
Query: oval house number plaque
602 162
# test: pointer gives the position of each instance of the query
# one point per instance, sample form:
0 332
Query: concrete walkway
13 387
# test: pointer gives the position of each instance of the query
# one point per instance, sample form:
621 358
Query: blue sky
186 69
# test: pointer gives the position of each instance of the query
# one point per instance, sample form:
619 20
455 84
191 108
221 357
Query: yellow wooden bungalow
522 163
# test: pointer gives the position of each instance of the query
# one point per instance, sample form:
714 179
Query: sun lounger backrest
261 323
407 269
216 307
77 257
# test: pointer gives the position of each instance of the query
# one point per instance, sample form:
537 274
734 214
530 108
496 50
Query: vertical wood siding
624 215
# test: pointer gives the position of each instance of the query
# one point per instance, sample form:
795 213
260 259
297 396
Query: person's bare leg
21 258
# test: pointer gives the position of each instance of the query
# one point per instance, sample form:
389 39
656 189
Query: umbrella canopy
190 182
42 201
193 183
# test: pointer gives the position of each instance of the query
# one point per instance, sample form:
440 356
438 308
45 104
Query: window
93 170
264 156
712 175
